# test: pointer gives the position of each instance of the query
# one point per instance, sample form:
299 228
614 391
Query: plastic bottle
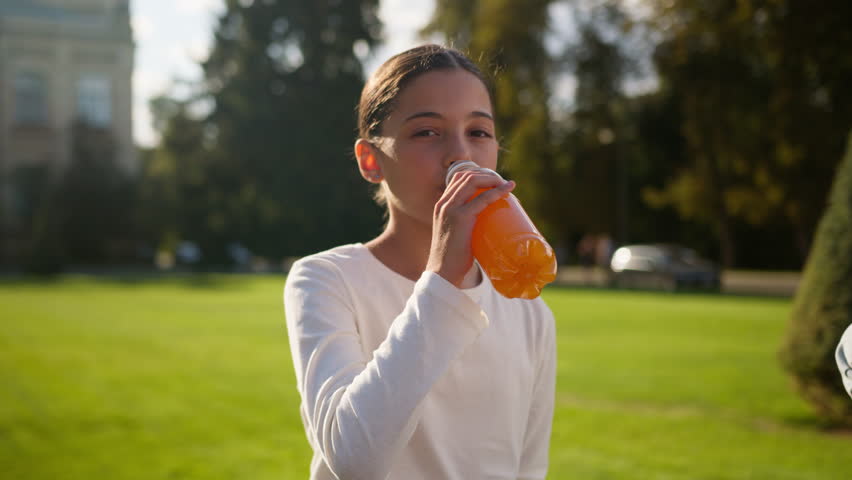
508 247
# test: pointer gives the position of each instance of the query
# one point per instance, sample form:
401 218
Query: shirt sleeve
359 410
534 457
844 359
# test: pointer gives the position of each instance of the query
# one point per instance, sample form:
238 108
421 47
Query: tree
761 87
271 162
45 253
823 306
176 190
84 214
593 147
657 149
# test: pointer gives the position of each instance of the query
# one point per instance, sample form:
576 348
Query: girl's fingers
478 204
464 185
456 183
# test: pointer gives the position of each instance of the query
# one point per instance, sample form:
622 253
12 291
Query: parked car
662 266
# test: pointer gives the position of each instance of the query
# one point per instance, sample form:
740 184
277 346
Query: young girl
409 364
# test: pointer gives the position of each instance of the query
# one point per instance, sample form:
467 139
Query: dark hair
381 91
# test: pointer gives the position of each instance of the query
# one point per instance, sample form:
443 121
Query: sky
172 36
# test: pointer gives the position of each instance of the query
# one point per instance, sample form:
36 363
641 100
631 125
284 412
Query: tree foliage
761 87
737 142
82 212
270 166
594 147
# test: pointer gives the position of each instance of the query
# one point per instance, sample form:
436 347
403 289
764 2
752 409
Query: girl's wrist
448 276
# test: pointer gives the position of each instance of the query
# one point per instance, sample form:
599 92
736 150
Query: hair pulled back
385 85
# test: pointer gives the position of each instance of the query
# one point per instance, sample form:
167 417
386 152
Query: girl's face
441 117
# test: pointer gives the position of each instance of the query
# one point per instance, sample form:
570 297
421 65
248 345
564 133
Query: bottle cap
464 166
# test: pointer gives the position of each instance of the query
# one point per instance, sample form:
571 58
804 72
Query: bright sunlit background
173 36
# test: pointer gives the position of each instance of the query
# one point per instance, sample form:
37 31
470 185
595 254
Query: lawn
190 378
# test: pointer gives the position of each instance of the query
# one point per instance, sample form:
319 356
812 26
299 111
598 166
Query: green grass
191 378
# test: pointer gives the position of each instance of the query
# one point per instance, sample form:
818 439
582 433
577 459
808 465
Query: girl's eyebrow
475 113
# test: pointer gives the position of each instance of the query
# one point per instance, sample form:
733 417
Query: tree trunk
802 240
727 245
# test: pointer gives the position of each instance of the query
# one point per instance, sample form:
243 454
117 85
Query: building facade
61 62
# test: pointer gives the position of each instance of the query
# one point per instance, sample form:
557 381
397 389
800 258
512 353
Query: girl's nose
458 150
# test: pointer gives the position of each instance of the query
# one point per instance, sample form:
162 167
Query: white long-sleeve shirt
406 380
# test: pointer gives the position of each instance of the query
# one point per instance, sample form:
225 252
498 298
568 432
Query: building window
94 100
30 99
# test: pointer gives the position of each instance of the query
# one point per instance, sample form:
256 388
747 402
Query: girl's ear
366 154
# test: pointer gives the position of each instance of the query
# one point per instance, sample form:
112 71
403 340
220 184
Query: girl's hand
450 255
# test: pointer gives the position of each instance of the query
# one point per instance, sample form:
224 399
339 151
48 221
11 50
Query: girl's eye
425 133
480 134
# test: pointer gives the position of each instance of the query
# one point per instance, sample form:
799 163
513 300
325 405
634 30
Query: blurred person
586 248
603 250
843 355
409 364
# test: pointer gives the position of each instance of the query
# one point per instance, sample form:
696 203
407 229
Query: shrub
823 306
